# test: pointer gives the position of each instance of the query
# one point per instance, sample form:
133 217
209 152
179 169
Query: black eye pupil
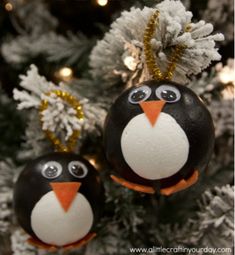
51 171
168 95
77 170
138 96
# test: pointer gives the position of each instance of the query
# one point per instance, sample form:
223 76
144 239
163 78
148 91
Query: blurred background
58 36
81 17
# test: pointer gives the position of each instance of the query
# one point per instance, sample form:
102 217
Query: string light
64 74
102 2
8 7
226 73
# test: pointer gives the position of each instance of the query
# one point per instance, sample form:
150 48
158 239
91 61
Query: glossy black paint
189 112
31 186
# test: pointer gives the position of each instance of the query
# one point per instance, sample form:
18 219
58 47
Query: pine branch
220 14
37 37
19 244
32 17
70 50
211 225
119 56
6 183
59 117
11 127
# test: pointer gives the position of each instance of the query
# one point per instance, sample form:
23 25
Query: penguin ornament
58 197
57 200
158 136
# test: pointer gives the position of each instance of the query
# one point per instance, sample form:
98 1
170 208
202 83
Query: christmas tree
93 51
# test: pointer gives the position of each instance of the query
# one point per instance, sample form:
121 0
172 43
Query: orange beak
65 192
152 109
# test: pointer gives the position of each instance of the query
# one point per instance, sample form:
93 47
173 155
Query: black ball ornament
158 136
58 199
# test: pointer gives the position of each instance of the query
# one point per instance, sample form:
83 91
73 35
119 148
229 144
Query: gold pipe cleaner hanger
75 104
151 62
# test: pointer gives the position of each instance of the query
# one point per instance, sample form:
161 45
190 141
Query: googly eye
139 94
51 170
168 93
77 169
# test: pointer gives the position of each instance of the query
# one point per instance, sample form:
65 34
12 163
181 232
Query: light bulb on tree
226 73
102 2
8 7
64 74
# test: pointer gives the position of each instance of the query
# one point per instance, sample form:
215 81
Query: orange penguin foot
80 243
181 185
40 245
133 186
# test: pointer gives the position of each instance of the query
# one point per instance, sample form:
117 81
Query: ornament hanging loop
75 104
154 70
150 58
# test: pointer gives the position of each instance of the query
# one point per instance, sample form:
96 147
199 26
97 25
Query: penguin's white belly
154 152
53 225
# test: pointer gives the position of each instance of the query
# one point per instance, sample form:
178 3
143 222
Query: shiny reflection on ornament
8 7
102 2
92 161
64 74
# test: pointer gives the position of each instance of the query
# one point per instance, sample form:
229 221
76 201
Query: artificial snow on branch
37 37
223 116
70 49
221 78
32 17
222 113
19 244
220 13
112 242
5 210
216 88
59 115
120 56
215 218
6 182
34 87
211 226
35 143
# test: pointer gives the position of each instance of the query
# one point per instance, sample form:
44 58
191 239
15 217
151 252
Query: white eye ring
81 166
168 93
146 92
51 170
